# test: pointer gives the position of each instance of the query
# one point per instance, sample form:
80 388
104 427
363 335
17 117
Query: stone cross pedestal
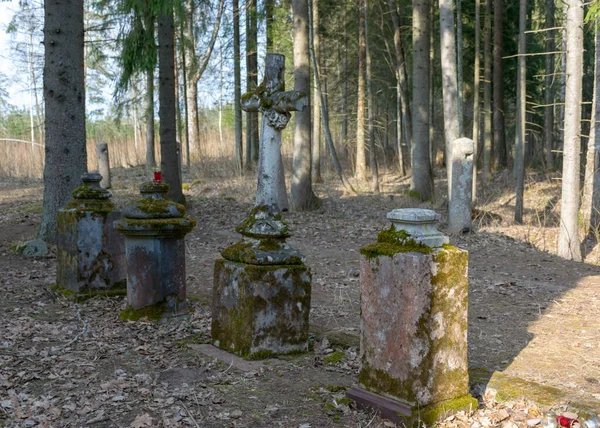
261 289
459 206
414 292
154 230
104 164
90 252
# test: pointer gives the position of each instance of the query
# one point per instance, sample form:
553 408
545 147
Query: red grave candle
157 177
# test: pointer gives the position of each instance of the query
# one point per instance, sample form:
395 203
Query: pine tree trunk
449 83
166 93
370 105
150 161
476 110
519 167
316 105
549 89
501 158
269 5
590 204
361 160
302 196
345 84
184 75
487 97
421 181
64 98
459 67
237 76
568 239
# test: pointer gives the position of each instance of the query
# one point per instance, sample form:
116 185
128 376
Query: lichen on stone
391 241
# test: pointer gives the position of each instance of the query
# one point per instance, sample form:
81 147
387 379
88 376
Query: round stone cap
420 224
154 205
413 215
90 189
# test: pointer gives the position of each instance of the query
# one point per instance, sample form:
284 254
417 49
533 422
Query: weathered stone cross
271 99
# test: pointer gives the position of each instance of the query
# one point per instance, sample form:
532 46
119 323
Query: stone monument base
260 310
403 414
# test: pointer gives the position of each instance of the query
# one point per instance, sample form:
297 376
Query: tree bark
487 97
345 84
166 92
501 158
459 67
64 98
549 89
361 160
476 110
519 167
590 204
237 91
316 105
189 44
421 185
251 80
370 105
269 5
150 161
568 239
302 196
449 83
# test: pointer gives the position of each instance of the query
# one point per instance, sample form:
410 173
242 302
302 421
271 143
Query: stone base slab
260 311
403 414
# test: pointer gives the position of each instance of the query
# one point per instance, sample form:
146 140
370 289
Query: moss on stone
391 241
334 357
94 206
154 312
157 207
85 191
433 413
182 225
89 293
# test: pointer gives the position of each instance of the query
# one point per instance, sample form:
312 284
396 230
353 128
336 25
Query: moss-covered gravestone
90 252
154 230
414 301
261 289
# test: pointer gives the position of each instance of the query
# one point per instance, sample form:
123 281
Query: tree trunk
302 196
316 105
421 185
590 204
184 75
370 106
237 76
269 5
549 89
501 158
345 84
166 92
251 79
64 98
476 99
191 66
459 67
568 239
404 122
487 97
150 161
519 167
361 161
449 83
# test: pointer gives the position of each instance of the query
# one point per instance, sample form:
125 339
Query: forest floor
534 336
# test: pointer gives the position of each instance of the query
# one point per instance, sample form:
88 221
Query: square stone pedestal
414 303
260 310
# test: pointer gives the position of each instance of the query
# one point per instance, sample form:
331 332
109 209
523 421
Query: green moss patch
85 191
435 412
391 241
334 357
158 207
88 293
154 312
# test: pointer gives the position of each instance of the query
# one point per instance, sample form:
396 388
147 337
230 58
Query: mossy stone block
260 311
414 325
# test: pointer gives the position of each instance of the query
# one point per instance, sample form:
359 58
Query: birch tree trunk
476 110
361 160
449 82
501 158
590 204
302 196
549 89
64 97
421 185
568 239
519 167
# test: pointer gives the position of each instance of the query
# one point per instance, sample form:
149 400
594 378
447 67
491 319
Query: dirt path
532 315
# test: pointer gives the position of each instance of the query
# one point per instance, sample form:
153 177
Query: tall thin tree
316 104
237 90
476 106
568 238
549 88
251 79
520 122
487 96
361 160
501 158
370 105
